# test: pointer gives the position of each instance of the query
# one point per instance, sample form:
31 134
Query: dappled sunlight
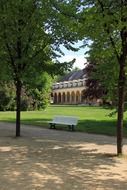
57 160
57 147
104 148
13 176
5 149
57 165
39 177
16 174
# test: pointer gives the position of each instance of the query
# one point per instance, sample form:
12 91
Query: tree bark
121 96
18 106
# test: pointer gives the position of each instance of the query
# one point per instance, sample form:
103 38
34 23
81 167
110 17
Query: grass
91 119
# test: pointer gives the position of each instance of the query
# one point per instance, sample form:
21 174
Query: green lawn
91 119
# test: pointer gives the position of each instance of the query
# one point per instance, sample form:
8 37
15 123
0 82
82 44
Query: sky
79 56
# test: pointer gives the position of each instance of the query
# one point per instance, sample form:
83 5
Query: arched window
68 97
73 97
55 98
77 97
63 97
59 97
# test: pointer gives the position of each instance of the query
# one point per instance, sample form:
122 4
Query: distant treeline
31 99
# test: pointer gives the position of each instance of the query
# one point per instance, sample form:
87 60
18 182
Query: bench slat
64 120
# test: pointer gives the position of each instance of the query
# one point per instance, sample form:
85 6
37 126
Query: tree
105 21
40 92
94 88
101 80
30 37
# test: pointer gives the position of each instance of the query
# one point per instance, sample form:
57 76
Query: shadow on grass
98 127
89 126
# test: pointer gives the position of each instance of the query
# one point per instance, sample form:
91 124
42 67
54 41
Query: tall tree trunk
18 106
121 95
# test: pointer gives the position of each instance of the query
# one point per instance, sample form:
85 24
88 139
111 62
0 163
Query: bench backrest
66 119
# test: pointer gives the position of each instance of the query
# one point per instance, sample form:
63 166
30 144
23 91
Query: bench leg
52 126
69 126
72 128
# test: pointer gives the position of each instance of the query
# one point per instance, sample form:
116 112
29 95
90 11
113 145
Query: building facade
70 90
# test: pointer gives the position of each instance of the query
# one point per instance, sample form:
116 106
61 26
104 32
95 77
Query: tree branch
65 13
9 53
107 29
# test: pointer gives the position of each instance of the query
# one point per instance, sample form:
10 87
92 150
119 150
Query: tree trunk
18 104
121 95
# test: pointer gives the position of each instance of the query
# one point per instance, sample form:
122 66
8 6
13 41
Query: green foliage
103 24
7 97
31 35
33 97
40 91
4 101
30 38
106 71
107 20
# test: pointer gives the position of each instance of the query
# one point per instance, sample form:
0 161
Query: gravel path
44 159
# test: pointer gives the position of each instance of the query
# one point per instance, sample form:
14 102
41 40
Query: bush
4 101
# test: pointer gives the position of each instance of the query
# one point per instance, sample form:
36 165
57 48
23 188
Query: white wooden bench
71 121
